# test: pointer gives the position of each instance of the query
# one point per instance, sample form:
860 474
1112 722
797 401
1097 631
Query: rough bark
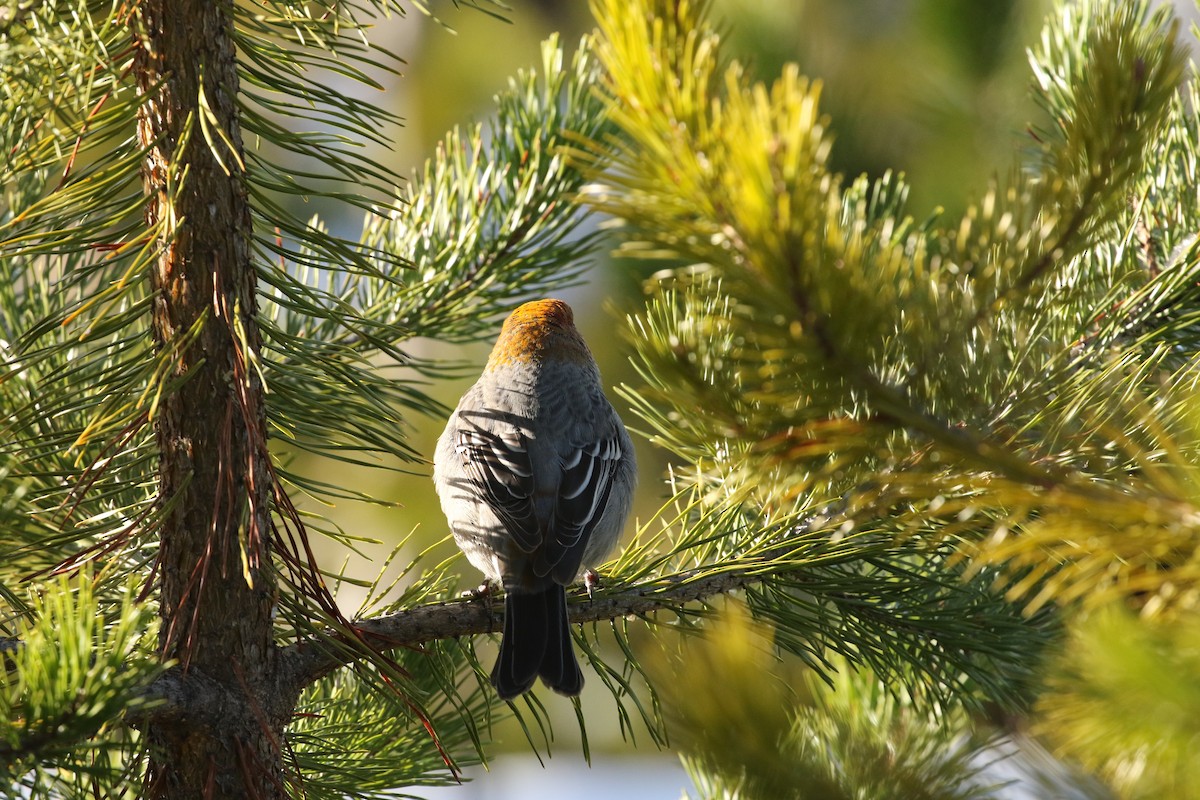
305 662
181 699
216 585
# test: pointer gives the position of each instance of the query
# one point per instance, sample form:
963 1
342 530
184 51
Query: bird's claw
481 592
591 579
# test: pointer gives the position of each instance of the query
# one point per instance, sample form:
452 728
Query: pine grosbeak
535 473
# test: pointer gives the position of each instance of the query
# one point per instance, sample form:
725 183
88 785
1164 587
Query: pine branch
876 599
818 337
177 695
306 662
190 697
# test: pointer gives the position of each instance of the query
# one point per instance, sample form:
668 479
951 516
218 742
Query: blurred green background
932 88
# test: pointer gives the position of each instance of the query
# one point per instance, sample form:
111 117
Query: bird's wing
587 480
499 465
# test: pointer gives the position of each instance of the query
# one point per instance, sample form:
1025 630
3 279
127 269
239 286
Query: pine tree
914 449
167 317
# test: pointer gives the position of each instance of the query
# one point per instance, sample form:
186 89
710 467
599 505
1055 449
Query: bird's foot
591 579
482 592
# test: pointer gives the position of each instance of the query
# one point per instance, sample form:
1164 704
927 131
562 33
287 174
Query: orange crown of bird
537 331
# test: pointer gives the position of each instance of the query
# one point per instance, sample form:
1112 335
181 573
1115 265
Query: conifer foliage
1016 386
925 454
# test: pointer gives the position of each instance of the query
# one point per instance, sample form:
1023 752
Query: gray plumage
535 473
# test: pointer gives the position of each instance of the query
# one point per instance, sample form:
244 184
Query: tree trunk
217 587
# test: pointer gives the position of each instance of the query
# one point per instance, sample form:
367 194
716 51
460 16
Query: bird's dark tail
536 641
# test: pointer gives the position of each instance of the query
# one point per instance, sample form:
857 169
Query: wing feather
588 471
500 467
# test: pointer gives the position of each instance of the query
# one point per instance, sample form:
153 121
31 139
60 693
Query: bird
535 473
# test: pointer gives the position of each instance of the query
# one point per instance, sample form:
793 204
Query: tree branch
303 663
191 697
194 700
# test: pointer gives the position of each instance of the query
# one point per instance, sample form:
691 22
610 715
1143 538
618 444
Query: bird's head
538 331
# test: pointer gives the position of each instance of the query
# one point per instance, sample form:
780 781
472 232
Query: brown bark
303 662
216 584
